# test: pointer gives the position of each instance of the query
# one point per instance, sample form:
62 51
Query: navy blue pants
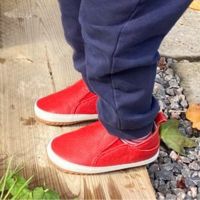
115 45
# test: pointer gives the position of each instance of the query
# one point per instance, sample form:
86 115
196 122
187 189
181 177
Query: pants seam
112 61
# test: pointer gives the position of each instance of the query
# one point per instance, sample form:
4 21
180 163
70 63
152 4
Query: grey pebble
169 71
167 166
170 91
185 159
173 83
187 197
165 175
159 90
170 197
194 165
160 196
184 103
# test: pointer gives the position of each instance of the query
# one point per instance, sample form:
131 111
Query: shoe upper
94 146
76 99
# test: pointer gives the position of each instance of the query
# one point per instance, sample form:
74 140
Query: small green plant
14 186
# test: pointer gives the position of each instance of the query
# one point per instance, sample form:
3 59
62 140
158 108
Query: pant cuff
131 133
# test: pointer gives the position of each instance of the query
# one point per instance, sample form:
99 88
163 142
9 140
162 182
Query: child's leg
121 41
75 103
72 29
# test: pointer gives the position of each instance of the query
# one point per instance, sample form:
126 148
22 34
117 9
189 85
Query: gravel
175 177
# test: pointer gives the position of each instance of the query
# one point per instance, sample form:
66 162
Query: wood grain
35 61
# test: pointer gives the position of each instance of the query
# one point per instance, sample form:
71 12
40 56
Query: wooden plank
35 61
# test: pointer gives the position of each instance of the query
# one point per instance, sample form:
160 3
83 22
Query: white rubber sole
62 118
81 169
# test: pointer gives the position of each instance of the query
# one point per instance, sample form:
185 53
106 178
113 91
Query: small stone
175 114
180 194
198 196
163 153
170 91
185 159
194 174
189 130
187 123
162 188
194 165
184 103
192 156
160 196
182 130
156 183
184 61
189 182
166 160
167 101
173 155
167 166
182 97
169 77
175 105
170 60
159 90
162 63
173 184
177 168
185 171
175 61
170 196
159 79
173 83
164 175
193 191
178 91
169 71
154 168
175 99
162 105
177 78
196 180
189 193
180 182
177 190
187 197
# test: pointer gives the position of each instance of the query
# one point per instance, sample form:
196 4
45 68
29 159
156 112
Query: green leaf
22 191
49 194
21 184
173 138
38 193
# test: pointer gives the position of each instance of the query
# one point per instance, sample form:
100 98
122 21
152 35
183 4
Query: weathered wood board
35 61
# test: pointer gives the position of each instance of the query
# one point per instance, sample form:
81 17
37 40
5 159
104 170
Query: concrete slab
184 39
190 80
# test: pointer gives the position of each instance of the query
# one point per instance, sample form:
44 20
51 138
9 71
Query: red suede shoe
92 149
69 106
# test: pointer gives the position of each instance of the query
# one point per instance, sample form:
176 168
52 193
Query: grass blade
7 194
5 177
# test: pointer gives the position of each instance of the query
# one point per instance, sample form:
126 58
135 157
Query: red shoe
69 106
92 149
